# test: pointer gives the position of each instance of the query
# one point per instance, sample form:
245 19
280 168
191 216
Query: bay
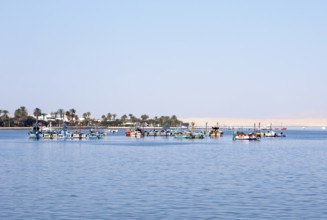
164 178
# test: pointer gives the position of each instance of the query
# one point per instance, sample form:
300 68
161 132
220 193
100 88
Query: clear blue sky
189 58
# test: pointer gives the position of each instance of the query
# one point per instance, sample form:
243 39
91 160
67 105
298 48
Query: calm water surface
164 178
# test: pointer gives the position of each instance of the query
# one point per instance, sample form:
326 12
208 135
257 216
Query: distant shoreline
238 122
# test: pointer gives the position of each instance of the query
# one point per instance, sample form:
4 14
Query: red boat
128 133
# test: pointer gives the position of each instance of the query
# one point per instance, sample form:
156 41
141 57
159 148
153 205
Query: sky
211 58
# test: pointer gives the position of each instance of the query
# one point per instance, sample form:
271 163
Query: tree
109 116
114 116
37 113
68 116
43 118
76 118
104 118
61 114
144 117
20 116
72 115
5 117
123 118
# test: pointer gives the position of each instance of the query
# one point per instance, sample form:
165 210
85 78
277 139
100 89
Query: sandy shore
264 122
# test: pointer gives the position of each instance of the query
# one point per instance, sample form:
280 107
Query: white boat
270 133
215 132
243 136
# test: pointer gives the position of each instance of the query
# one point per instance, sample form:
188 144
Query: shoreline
249 122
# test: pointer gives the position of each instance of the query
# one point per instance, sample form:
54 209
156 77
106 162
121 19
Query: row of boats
38 132
256 135
64 133
199 134
179 133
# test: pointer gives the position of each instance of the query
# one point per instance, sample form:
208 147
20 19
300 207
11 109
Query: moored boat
238 135
215 132
79 135
35 133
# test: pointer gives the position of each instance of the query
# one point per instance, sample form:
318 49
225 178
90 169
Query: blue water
164 178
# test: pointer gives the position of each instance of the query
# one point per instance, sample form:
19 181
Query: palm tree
124 118
144 117
109 115
76 118
37 112
43 117
68 115
5 116
85 118
72 114
20 115
61 113
114 117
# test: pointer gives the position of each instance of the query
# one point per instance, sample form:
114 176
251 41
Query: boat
50 135
64 133
94 134
189 134
215 132
136 132
270 133
238 135
128 132
197 134
35 133
281 134
79 135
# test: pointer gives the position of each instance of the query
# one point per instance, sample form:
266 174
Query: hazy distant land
264 122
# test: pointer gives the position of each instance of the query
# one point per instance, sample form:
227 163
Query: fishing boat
94 134
238 135
35 133
281 134
189 134
215 132
48 133
64 133
78 135
128 132
270 133
137 133
196 135
274 134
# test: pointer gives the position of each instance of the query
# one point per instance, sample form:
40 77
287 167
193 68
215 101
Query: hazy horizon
235 59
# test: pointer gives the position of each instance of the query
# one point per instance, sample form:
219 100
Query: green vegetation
21 118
